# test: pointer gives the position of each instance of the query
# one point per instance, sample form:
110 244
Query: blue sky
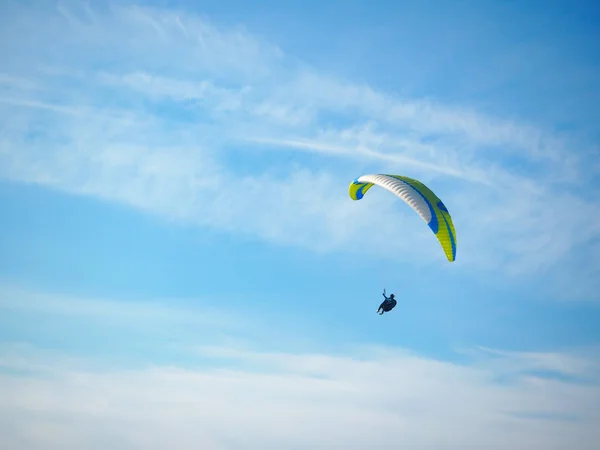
178 248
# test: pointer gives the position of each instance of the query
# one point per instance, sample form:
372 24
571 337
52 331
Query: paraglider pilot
388 304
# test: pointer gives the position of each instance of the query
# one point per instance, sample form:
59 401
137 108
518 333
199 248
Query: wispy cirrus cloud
153 107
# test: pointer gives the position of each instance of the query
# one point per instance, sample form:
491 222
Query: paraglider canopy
420 198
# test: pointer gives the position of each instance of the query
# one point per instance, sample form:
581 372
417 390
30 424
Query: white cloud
227 394
150 107
373 400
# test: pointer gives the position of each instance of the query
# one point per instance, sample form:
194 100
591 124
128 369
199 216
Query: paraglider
422 200
388 304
